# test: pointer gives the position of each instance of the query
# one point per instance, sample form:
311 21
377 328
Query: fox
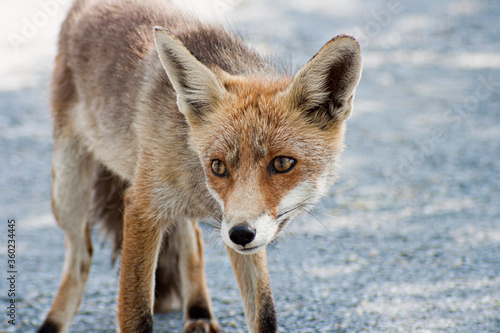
162 120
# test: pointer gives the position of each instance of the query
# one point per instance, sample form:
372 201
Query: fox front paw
201 326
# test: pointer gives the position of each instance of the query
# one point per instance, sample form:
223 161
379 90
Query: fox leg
198 315
71 181
168 296
253 280
141 244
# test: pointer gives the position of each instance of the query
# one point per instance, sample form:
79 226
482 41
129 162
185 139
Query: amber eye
282 164
219 168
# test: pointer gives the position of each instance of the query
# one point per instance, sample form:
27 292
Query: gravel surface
407 241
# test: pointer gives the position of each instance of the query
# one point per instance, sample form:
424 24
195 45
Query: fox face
269 146
263 161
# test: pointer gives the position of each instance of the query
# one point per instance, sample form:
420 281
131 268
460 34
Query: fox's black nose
242 234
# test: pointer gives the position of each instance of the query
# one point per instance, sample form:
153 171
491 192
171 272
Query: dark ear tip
161 30
346 38
158 28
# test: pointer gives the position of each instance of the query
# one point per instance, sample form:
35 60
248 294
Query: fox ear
324 88
198 88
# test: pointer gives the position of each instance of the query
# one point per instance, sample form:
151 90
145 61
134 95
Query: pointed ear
324 88
198 88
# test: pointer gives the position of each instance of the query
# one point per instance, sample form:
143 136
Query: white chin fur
249 251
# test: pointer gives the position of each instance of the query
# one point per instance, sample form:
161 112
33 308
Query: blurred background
407 241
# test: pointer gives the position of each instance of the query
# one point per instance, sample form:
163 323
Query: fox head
269 146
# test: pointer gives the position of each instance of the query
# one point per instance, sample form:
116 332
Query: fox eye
282 164
219 168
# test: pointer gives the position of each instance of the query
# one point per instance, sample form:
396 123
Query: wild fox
155 129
